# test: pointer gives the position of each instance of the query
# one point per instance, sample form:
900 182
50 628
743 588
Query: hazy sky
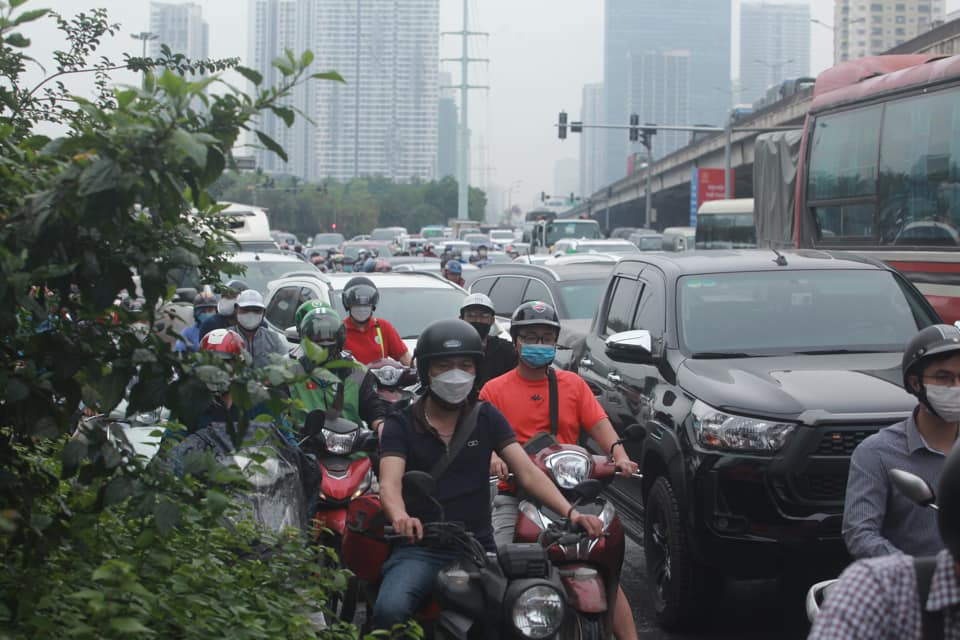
541 54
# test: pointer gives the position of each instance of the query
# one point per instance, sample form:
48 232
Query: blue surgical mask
203 317
538 355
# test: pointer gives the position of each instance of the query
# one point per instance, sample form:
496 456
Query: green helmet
306 308
323 327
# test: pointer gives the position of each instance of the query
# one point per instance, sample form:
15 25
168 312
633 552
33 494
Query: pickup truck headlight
715 429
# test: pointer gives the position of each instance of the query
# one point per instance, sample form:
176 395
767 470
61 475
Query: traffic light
646 136
634 127
562 127
543 196
334 226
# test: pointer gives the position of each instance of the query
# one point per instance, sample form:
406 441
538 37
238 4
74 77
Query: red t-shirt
371 345
525 405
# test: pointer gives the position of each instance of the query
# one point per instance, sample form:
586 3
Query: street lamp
144 36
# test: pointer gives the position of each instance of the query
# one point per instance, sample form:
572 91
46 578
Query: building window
901 20
876 45
901 7
901 31
876 31
876 6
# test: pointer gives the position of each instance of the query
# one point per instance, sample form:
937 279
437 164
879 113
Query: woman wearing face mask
417 436
877 518
261 340
204 308
369 338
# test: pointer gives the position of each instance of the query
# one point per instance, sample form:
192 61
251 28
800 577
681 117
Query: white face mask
361 312
249 320
945 401
452 386
225 306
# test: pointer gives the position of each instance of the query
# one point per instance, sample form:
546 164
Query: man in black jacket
499 356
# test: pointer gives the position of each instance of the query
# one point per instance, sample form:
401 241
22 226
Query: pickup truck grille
841 443
822 486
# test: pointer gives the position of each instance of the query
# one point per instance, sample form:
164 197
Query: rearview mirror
313 425
634 346
292 335
417 486
914 487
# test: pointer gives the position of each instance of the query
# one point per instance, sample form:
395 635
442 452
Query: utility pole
463 169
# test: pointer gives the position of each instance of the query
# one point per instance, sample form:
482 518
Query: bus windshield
726 231
556 230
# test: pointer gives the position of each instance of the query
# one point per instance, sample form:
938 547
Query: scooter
515 593
395 381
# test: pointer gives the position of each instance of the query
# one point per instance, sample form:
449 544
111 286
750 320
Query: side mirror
292 335
587 490
914 487
635 346
633 433
418 486
369 442
313 425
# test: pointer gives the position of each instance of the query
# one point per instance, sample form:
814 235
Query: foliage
93 543
355 207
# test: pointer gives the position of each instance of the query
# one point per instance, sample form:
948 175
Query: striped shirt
877 599
877 518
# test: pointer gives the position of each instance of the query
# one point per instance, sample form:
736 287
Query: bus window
843 157
919 182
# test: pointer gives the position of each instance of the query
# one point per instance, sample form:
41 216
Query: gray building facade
658 90
591 140
181 27
774 45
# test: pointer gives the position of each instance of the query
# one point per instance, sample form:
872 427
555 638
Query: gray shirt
265 342
879 520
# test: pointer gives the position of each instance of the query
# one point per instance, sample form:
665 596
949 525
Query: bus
879 170
726 224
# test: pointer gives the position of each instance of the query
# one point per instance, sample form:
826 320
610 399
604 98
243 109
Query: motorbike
395 381
913 487
515 593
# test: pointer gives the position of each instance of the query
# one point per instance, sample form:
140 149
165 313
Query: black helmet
935 340
323 327
534 313
360 290
948 502
444 339
204 299
235 287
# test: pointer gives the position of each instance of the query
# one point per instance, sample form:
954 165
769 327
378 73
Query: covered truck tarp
775 159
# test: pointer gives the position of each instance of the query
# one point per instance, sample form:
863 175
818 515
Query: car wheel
677 582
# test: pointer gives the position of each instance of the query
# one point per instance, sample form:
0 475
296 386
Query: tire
678 584
577 626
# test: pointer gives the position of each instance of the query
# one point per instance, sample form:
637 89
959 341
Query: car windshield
385 234
431 232
572 229
328 238
260 272
410 309
772 312
581 297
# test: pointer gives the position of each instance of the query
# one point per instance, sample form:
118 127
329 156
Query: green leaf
166 516
286 114
74 452
306 59
250 74
328 75
190 147
17 40
272 145
100 175
17 390
129 625
27 16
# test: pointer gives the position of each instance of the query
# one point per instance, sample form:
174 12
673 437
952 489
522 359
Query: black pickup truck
753 375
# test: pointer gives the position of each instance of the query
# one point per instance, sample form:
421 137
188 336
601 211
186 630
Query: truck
460 227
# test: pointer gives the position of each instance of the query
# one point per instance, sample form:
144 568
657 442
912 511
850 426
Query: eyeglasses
477 315
944 379
532 338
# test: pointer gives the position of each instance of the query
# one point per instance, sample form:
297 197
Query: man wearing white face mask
877 519
262 341
369 338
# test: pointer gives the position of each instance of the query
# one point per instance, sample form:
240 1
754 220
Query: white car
284 296
614 247
262 268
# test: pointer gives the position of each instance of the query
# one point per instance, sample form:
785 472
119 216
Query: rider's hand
409 527
498 467
591 524
626 465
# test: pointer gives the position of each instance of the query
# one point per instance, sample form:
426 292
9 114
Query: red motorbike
589 568
394 381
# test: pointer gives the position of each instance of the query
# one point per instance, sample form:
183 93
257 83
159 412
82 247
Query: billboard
707 184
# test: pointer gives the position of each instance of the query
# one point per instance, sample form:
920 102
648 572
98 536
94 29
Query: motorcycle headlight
338 443
569 468
538 612
715 429
388 376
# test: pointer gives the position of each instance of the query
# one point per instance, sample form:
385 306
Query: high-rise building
565 177
864 28
774 45
181 27
591 140
701 27
383 119
658 90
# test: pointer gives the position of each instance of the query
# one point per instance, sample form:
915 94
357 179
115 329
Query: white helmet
250 298
477 300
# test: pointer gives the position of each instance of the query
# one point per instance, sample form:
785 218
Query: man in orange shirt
369 338
523 397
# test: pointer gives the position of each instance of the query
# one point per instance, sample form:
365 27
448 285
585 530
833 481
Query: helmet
204 300
226 343
534 313
443 339
306 308
133 305
362 254
476 300
382 265
948 503
454 266
322 326
935 340
360 290
237 286
250 298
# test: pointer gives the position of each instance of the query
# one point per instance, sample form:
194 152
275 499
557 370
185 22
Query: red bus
879 170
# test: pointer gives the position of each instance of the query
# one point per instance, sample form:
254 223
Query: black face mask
482 328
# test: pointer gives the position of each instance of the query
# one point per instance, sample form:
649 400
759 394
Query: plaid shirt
877 599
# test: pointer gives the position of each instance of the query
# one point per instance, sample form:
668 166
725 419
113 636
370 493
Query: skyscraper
383 120
591 140
658 90
774 45
181 27
565 177
701 27
865 28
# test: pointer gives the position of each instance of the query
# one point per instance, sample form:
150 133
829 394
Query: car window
506 293
623 304
411 309
262 270
280 312
652 309
482 285
536 290
581 298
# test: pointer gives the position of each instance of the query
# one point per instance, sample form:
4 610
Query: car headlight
715 429
338 443
569 468
388 376
538 612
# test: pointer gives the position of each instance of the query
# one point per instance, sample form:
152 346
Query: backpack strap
465 428
932 621
554 401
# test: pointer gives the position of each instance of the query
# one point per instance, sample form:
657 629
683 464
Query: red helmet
225 342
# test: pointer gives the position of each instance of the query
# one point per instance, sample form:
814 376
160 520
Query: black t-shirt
464 488
499 357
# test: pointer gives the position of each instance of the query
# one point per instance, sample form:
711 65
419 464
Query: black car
753 375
